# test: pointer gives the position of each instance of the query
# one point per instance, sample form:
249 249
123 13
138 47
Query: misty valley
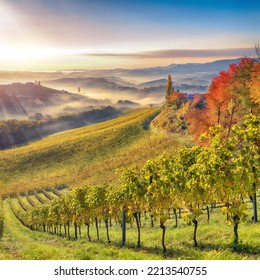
37 104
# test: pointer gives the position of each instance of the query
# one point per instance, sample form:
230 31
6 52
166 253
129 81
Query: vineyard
79 156
23 243
203 196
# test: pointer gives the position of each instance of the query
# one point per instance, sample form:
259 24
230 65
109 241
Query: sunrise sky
77 34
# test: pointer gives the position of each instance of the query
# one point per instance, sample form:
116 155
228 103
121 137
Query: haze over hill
10 107
21 100
76 90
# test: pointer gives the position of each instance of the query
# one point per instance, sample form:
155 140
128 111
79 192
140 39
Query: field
30 176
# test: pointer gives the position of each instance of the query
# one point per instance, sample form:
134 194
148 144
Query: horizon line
115 68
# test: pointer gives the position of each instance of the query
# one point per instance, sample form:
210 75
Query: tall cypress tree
169 90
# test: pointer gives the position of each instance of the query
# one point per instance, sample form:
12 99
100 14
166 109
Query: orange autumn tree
177 98
218 97
228 99
255 84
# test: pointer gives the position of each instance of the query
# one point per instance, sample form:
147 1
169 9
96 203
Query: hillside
78 157
10 107
18 132
170 121
24 99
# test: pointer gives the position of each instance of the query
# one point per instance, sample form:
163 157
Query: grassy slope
169 120
79 156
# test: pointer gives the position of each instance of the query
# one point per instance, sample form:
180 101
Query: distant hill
144 85
19 100
90 82
189 78
153 83
95 83
10 107
187 68
15 132
127 103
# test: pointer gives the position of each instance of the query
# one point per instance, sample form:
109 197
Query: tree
230 163
132 196
257 50
80 210
254 84
169 90
219 97
177 99
84 209
65 214
231 95
199 122
162 194
193 190
97 199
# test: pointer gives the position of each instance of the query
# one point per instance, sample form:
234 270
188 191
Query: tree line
15 132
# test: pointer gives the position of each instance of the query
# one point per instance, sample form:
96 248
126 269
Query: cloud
179 53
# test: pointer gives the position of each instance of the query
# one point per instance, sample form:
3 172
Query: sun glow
35 58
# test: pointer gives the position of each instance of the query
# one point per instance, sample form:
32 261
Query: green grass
215 240
78 157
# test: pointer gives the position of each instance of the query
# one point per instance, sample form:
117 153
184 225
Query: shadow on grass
185 250
239 248
171 253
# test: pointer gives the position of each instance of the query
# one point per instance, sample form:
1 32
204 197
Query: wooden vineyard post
123 226
254 199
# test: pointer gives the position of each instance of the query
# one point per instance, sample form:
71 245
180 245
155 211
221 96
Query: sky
78 34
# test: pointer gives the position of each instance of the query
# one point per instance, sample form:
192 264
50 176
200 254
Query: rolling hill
24 99
78 157
144 85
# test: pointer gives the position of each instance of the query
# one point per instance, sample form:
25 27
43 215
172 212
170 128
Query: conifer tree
169 90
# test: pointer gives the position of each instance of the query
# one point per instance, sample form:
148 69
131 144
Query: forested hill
17 132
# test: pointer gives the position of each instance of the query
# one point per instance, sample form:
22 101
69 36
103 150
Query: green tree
231 171
132 196
169 90
192 190
162 194
97 199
